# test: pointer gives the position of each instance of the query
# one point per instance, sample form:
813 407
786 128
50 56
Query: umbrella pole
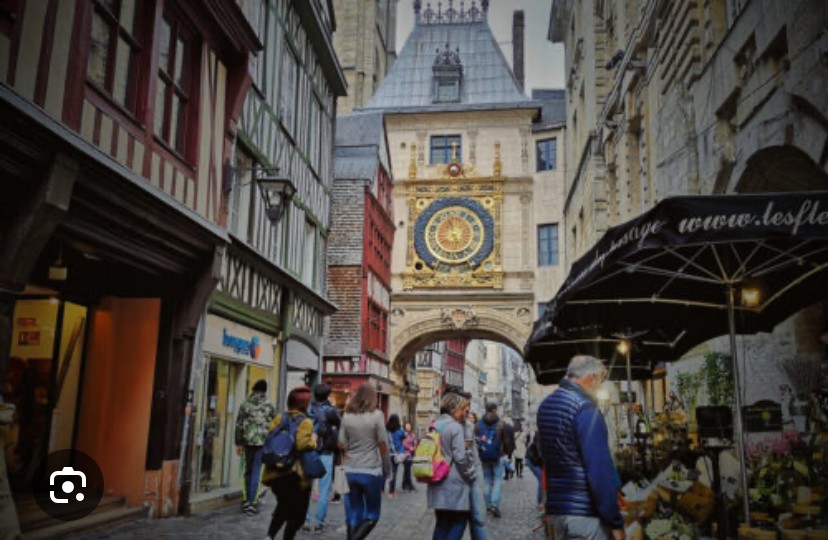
739 435
630 429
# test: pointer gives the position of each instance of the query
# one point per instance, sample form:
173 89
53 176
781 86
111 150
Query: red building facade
455 363
359 260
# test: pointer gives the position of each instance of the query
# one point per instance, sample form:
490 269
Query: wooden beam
35 221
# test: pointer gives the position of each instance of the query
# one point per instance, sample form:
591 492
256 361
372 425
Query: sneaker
251 510
336 500
245 505
318 528
496 512
306 528
489 510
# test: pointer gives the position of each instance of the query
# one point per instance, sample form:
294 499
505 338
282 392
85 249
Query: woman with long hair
395 445
363 441
291 488
410 446
450 498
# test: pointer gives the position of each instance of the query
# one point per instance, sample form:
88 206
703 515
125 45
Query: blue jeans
477 514
324 491
538 472
364 498
450 525
252 472
492 482
393 485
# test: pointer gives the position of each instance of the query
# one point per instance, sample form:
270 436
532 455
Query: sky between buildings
543 61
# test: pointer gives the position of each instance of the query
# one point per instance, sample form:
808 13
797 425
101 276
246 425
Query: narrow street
404 517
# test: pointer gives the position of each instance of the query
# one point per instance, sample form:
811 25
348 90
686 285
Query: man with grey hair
581 480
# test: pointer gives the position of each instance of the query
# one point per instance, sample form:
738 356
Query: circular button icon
68 485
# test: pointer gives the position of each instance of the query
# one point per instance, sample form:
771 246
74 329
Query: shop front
343 386
234 357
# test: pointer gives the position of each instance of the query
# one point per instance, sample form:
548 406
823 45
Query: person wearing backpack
291 434
492 443
251 429
326 423
364 442
450 497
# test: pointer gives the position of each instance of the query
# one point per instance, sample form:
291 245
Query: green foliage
687 387
718 376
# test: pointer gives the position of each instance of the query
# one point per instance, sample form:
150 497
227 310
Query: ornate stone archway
418 320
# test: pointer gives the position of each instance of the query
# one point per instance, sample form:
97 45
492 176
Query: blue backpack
279 449
488 444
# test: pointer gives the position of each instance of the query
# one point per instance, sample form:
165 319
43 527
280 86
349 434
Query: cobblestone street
404 517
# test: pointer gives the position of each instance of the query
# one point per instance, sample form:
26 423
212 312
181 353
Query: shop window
177 69
548 244
546 155
443 148
114 51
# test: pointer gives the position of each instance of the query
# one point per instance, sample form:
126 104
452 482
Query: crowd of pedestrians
360 453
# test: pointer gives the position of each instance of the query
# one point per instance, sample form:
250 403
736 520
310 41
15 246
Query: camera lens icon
66 479
68 485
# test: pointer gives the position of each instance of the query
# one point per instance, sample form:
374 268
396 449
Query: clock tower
454 240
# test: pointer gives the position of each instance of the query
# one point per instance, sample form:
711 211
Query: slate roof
553 108
360 146
488 82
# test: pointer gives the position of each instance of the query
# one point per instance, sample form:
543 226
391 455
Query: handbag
340 483
312 466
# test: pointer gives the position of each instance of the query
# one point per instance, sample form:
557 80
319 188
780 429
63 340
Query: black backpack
326 427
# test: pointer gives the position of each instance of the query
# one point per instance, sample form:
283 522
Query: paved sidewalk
403 518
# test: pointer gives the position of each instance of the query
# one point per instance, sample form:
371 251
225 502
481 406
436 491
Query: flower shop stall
688 270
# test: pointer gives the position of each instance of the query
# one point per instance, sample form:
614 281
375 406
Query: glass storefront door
45 365
223 390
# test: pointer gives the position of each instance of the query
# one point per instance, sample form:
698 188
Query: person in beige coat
520 448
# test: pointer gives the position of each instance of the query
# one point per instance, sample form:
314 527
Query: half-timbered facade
117 121
359 259
265 318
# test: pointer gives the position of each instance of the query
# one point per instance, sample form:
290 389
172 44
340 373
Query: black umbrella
690 269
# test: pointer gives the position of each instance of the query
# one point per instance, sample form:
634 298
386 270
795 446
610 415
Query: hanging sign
229 339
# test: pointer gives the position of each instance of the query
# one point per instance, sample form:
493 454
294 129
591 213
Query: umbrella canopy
690 269
663 280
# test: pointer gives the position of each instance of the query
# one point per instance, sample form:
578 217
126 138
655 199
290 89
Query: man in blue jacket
581 480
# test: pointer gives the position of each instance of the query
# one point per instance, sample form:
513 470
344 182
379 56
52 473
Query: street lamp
276 190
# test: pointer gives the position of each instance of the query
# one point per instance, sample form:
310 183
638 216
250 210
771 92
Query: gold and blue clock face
454 231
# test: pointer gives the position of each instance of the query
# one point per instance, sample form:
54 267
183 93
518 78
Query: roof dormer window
448 76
